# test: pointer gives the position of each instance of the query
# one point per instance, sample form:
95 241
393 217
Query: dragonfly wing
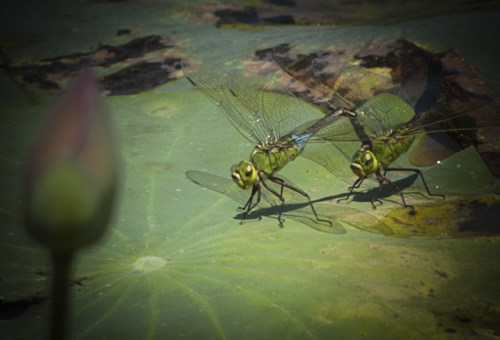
326 75
336 155
335 129
238 102
382 113
306 70
219 184
275 109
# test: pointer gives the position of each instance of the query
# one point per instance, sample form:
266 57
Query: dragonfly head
244 174
364 163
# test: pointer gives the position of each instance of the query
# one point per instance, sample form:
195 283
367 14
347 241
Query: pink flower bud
71 172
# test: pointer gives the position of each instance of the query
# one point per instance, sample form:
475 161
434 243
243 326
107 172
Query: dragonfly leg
249 206
419 173
250 199
297 190
356 185
279 195
381 178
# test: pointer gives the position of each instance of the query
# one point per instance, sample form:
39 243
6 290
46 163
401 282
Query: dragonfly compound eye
358 170
249 171
369 163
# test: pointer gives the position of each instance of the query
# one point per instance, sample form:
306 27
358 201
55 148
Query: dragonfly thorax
271 158
244 174
364 163
388 148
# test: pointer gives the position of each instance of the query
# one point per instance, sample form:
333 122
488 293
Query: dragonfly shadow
295 211
273 211
270 205
386 191
367 195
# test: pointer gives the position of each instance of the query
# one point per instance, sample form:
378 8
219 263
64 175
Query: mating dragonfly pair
274 120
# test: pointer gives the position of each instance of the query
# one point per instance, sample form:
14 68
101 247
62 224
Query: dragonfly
391 126
386 123
271 118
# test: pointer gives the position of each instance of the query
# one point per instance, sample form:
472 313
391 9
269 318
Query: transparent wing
259 115
482 117
333 129
383 106
214 84
381 114
380 104
334 156
276 107
305 69
328 77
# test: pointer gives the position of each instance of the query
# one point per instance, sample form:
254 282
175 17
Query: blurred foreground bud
71 173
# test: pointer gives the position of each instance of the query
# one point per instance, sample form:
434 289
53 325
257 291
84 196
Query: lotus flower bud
71 173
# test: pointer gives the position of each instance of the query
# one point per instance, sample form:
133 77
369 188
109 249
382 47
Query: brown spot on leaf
53 73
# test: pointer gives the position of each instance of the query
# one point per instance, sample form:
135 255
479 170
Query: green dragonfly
391 127
273 120
386 124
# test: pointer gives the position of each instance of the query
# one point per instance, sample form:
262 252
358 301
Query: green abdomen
387 150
